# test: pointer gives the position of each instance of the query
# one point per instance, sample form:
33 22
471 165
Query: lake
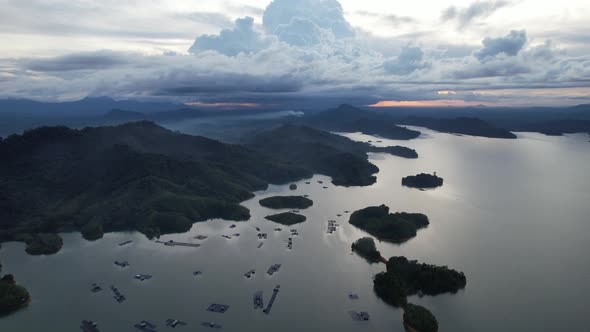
514 215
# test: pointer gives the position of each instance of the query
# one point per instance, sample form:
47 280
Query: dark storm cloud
409 60
491 69
479 9
78 61
509 45
228 83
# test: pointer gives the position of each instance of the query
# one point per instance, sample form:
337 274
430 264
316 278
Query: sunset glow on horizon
428 103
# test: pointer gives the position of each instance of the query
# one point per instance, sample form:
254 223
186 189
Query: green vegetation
287 218
365 247
419 318
347 118
400 151
322 152
405 278
12 296
286 202
393 227
136 176
422 180
41 243
92 231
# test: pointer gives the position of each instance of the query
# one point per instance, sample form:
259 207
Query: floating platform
119 297
211 325
294 232
258 303
353 296
172 243
320 182
200 237
260 245
262 236
233 226
250 273
258 229
275 292
226 236
278 229
125 243
359 315
89 326
273 269
219 308
236 235
95 288
142 277
197 273
290 244
174 323
122 264
146 326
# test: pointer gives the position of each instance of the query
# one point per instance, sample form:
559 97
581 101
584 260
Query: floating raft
95 288
250 273
211 325
260 245
219 308
89 326
200 237
273 268
353 296
232 226
125 243
179 244
290 244
119 297
174 323
197 273
146 326
278 229
122 264
275 292
359 315
262 236
142 277
258 303
294 232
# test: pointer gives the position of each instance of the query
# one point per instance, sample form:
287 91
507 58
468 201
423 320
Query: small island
287 218
41 244
286 202
394 227
365 247
92 231
405 278
397 150
422 181
419 319
12 296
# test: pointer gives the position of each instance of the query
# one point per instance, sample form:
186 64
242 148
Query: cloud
465 16
391 19
409 60
509 45
494 68
78 61
304 22
242 38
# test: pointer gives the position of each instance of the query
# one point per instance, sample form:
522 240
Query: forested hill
134 176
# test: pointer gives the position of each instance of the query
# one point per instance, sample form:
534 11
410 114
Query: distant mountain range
19 115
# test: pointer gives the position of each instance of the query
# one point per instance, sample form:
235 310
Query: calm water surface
514 215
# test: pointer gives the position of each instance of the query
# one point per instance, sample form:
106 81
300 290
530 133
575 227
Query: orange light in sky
428 103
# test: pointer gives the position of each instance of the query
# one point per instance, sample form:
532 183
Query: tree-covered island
394 227
286 202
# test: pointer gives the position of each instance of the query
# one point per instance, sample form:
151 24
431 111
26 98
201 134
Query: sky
298 53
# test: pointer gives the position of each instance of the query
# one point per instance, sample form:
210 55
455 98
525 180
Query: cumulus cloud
409 60
242 38
509 45
465 16
305 21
